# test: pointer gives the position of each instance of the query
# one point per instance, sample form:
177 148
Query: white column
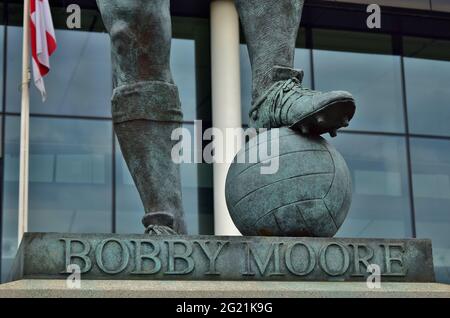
226 97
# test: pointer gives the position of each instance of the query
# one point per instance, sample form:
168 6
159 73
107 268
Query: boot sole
327 119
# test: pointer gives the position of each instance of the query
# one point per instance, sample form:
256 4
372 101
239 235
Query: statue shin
145 106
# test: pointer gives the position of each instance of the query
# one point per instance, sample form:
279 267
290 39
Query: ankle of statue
158 218
147 100
278 75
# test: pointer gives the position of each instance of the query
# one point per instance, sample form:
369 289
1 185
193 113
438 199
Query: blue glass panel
184 73
373 79
70 177
428 96
79 82
196 182
381 204
431 183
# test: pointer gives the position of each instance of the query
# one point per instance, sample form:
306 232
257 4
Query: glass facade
397 146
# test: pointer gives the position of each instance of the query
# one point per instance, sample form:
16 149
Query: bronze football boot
288 103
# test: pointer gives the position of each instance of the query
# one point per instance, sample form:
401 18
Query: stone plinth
212 258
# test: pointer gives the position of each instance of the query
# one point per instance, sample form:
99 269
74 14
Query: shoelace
280 94
159 230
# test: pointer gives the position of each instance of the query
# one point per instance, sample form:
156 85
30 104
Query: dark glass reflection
381 205
70 178
349 41
431 183
373 79
426 48
80 79
2 41
184 74
428 96
1 148
196 182
79 82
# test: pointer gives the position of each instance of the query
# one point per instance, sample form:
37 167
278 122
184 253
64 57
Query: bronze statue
146 106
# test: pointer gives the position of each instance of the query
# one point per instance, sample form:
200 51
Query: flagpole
24 124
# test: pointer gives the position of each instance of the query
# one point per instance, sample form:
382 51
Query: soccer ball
309 195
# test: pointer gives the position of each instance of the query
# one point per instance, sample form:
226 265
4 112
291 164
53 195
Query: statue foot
288 103
159 223
159 230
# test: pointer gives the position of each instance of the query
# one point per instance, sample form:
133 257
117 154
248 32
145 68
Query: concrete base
224 289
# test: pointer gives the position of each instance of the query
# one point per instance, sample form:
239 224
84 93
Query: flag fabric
43 41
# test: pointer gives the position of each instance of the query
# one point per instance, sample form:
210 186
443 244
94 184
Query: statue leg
146 106
279 99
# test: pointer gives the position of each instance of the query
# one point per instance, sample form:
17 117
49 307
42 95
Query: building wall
397 147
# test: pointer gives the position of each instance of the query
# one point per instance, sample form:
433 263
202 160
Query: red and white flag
43 41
